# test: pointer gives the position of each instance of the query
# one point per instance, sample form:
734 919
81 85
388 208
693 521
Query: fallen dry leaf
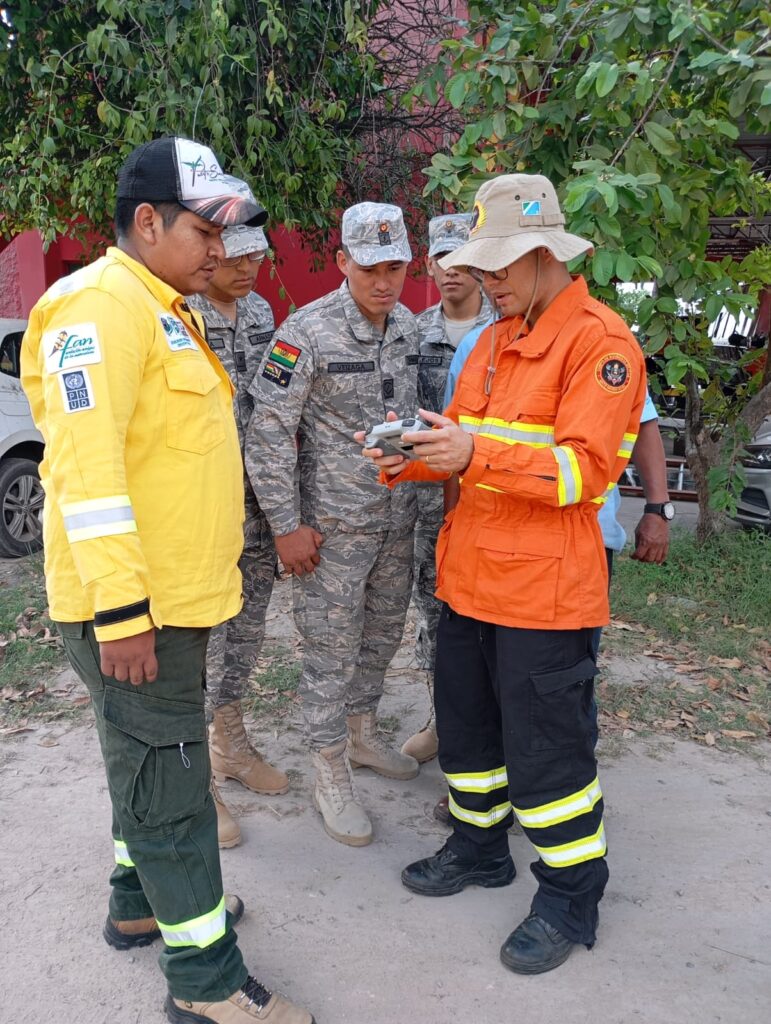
670 723
622 714
757 719
47 741
618 624
80 702
709 739
686 666
739 695
651 599
713 683
20 727
739 734
725 662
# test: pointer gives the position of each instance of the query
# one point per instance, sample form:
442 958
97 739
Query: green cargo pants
153 740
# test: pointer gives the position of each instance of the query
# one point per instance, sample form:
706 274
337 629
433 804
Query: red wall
26 272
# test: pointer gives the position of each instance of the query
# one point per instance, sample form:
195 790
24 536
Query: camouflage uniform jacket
239 346
328 374
435 356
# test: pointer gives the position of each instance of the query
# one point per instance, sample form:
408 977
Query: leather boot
446 873
252 1002
125 935
336 799
228 831
233 756
423 745
535 946
368 749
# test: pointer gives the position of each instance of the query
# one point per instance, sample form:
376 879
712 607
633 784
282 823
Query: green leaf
455 90
712 307
606 79
661 138
667 304
499 124
653 267
625 266
602 266
765 96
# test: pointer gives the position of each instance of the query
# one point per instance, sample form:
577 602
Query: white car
21 450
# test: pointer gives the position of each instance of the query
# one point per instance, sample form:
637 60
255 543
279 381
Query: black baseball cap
173 169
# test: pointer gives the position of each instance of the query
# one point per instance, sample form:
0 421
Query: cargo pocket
560 702
518 573
194 418
82 653
156 755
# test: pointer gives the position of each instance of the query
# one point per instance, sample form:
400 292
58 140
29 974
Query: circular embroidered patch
612 373
478 217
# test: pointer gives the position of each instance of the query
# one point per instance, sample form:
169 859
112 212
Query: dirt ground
685 921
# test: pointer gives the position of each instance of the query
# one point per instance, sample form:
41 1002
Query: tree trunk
702 452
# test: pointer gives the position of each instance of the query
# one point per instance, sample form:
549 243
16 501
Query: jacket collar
362 328
537 341
164 293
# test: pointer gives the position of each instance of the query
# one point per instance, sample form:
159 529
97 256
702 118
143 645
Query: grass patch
30 649
706 615
272 693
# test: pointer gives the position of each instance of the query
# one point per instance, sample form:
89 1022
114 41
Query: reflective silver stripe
482 819
576 852
198 931
112 515
568 487
536 434
478 782
568 807
121 854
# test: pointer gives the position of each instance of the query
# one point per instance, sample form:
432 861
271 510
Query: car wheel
21 508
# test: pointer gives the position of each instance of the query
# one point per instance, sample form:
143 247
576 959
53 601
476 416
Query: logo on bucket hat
173 169
514 214
375 233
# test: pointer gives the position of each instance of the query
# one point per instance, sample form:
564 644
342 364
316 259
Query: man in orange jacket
544 418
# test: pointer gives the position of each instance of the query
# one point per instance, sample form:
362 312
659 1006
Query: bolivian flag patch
285 354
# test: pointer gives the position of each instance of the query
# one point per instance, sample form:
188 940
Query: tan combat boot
250 1003
228 831
423 745
233 756
368 749
336 799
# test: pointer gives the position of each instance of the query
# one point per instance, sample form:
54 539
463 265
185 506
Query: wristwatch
665 509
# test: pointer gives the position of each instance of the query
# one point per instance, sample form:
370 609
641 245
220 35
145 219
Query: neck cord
491 368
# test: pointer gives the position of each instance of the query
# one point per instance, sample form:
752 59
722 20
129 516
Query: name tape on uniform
77 392
68 347
176 333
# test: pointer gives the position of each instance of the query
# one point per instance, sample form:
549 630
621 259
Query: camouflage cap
240 240
375 233
448 232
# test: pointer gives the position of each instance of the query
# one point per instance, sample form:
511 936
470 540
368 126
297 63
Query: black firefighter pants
513 713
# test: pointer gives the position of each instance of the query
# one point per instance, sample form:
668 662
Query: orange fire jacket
523 547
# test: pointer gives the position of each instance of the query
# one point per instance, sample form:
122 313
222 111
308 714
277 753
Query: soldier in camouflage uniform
239 327
336 366
462 307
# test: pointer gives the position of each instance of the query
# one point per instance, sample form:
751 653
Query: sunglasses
479 275
233 261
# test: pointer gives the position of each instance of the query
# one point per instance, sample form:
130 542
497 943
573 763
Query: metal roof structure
737 236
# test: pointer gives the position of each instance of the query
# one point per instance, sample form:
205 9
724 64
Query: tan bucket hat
514 214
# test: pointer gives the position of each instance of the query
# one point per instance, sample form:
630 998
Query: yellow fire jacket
142 470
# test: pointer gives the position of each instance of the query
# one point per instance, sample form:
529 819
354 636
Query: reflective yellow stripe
478 782
98 517
576 852
482 819
121 854
534 435
604 497
198 931
569 483
561 810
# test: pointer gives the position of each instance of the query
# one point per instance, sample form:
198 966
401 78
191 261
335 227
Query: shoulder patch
175 333
612 373
77 393
68 347
285 354
277 374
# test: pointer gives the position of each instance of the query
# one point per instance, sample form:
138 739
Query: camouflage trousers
427 608
350 613
235 645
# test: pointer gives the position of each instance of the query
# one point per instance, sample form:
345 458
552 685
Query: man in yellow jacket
143 530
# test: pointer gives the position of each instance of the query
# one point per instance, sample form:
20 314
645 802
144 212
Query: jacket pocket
194 416
560 703
156 755
518 572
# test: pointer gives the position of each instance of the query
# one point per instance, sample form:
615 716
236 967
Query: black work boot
535 946
125 935
446 873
